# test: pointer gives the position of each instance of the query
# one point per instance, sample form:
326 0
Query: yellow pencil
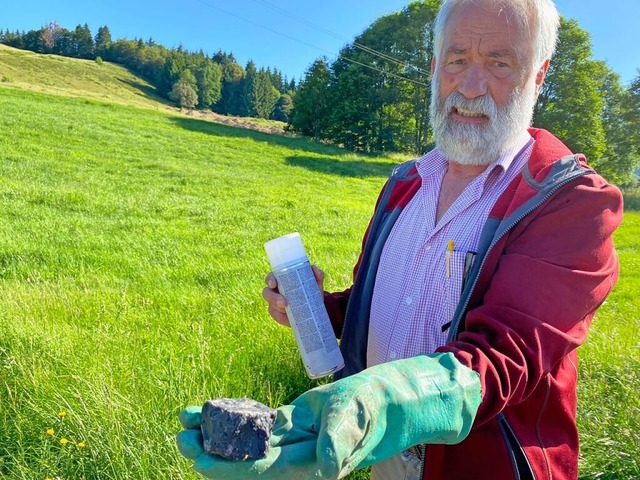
450 246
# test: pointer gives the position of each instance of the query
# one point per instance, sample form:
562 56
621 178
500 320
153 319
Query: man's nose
475 81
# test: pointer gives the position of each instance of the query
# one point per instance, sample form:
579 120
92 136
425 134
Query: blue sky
291 34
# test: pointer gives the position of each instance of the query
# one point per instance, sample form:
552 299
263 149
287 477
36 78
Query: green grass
131 272
131 269
75 78
609 398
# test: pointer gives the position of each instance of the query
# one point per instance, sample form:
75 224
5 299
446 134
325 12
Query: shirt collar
434 162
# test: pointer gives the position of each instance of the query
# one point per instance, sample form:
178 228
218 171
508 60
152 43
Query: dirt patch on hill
265 126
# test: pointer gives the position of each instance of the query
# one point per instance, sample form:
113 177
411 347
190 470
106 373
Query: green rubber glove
360 420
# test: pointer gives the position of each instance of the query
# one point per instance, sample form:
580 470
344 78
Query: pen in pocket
450 248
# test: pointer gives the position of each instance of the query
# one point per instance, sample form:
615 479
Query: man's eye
459 61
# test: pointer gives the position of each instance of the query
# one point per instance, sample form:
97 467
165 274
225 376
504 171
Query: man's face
483 87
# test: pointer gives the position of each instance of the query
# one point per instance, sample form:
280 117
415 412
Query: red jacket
545 263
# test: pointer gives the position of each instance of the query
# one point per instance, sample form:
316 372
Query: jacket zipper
453 332
519 461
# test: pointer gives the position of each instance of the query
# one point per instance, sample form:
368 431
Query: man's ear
433 64
542 72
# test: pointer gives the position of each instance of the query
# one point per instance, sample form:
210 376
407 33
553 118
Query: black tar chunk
237 429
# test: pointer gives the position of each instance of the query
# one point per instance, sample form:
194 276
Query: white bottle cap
285 251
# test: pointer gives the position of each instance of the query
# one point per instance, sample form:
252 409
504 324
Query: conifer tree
102 42
82 42
310 114
282 109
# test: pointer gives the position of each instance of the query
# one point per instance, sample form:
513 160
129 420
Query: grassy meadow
76 78
131 266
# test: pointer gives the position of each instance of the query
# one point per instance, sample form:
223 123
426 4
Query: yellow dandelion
51 431
81 444
64 441
48 478
62 414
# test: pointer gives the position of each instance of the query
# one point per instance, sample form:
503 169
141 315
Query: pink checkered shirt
414 295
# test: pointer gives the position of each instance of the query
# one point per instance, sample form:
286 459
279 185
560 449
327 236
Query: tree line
374 96
190 79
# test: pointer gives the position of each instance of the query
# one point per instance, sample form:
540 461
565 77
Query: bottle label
306 305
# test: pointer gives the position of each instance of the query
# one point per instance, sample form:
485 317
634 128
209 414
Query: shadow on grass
146 90
344 168
327 164
218 129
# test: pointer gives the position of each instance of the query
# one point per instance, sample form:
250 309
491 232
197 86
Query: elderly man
480 272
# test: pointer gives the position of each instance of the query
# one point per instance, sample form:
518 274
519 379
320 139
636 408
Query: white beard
478 145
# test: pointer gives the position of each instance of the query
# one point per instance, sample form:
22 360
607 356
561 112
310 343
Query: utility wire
314 46
423 84
365 48
262 26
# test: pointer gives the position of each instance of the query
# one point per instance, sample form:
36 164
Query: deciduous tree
570 103
622 148
50 36
184 91
208 80
380 84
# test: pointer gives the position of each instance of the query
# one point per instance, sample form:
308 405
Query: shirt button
393 355
408 300
427 248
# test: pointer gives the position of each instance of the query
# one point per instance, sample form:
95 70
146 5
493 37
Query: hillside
105 82
76 78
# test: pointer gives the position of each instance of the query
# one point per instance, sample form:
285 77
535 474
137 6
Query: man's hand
277 303
331 430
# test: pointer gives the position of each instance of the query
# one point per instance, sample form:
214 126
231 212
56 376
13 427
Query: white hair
540 17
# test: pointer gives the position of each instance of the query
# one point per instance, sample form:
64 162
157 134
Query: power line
321 29
387 72
314 46
262 26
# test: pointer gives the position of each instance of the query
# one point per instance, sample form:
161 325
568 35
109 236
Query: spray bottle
306 311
